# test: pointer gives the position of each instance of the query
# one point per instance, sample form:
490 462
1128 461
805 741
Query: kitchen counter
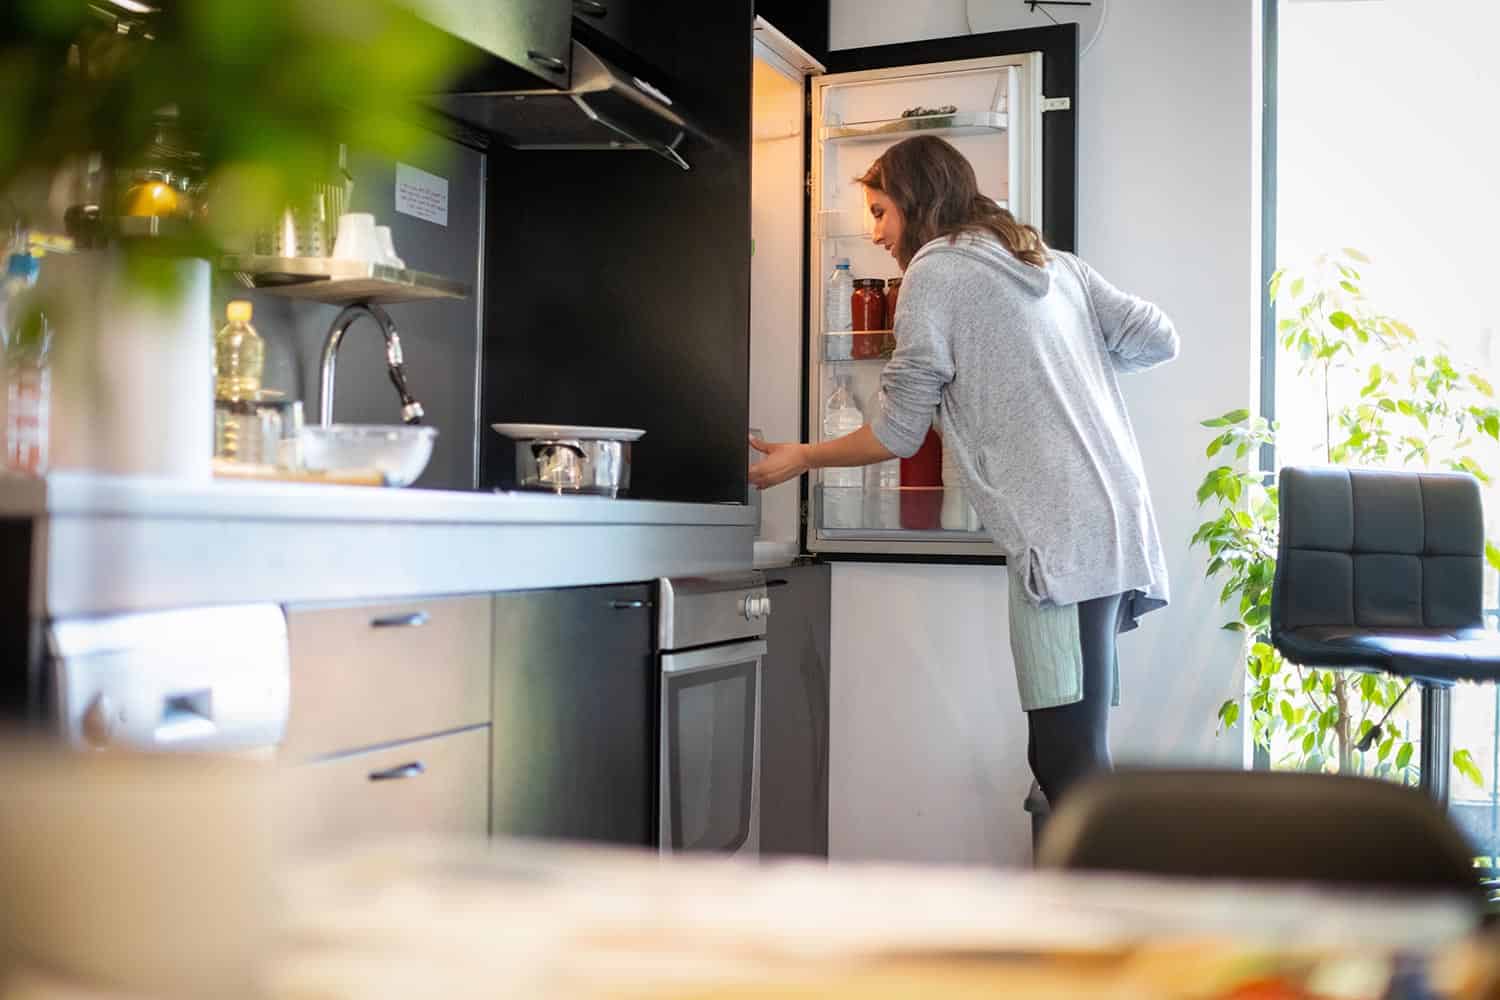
105 544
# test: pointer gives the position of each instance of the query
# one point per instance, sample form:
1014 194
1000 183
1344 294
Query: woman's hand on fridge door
781 462
788 461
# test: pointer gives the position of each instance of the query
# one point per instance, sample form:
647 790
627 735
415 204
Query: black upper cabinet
620 21
642 36
514 44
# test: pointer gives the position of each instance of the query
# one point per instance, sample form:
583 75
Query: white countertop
85 495
110 543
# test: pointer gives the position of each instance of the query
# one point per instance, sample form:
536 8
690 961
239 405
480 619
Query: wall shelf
340 282
959 123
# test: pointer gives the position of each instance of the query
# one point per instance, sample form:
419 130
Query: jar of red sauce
922 485
868 307
892 293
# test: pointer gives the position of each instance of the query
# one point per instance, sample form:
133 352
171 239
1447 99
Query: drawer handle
412 770
414 620
593 8
553 63
629 605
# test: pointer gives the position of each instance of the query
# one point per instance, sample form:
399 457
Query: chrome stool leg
1437 738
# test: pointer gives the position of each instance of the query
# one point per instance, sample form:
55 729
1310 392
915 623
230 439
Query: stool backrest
1367 548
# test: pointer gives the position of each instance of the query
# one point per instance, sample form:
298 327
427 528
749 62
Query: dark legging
1072 741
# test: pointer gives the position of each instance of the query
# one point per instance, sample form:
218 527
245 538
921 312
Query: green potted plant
1388 399
205 117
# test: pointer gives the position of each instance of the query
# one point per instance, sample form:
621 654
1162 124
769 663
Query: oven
711 641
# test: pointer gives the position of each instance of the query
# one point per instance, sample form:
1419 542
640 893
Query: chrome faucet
411 410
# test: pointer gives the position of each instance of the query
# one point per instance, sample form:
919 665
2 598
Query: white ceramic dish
398 451
553 432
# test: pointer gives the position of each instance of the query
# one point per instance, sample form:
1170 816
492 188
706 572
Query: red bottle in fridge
922 486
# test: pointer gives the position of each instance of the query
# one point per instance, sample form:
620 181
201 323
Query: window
1381 140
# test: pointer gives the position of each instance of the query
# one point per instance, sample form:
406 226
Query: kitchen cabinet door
531 38
794 713
575 691
640 35
432 786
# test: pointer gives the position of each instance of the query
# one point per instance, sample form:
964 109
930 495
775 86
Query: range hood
604 108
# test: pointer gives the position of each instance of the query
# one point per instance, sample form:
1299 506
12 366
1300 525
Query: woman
1018 346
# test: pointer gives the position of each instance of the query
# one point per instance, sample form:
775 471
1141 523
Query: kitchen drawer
438 785
380 673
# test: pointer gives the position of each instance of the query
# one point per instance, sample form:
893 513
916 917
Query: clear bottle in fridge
883 489
838 312
843 489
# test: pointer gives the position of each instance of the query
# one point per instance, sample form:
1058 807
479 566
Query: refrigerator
1006 101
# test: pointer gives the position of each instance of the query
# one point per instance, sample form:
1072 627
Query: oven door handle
713 658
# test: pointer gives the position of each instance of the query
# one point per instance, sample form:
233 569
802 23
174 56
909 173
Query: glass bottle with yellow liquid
239 363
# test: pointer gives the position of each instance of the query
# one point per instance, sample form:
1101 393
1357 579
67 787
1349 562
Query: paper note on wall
421 195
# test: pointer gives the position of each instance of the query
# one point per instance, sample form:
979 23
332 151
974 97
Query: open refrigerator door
991 109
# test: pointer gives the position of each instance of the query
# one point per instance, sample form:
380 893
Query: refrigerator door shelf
961 123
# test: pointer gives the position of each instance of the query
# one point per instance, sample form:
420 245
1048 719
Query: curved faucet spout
411 410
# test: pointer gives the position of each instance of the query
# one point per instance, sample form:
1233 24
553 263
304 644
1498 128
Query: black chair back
1260 826
1367 549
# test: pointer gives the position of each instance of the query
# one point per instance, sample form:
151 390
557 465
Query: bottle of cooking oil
239 356
239 363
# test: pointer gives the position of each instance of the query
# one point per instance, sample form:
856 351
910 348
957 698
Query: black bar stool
1384 571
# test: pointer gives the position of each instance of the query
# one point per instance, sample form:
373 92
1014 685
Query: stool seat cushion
1433 655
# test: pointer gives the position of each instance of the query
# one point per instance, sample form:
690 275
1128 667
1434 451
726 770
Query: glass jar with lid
868 302
892 294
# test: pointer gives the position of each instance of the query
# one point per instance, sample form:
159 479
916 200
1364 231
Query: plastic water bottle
838 314
883 490
842 488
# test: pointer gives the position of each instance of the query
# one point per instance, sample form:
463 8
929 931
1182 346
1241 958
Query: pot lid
571 432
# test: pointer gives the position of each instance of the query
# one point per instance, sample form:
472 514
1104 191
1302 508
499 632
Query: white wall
928 740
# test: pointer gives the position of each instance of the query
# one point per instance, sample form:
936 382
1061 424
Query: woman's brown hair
937 192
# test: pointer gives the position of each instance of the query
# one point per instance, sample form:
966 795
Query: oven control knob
765 607
749 607
99 722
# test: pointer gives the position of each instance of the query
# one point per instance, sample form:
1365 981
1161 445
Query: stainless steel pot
573 465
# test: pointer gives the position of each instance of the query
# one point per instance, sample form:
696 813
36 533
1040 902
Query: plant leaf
1403 756
1354 254
1463 761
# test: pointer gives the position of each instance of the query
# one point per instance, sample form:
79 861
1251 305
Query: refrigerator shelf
916 513
961 123
853 347
340 282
